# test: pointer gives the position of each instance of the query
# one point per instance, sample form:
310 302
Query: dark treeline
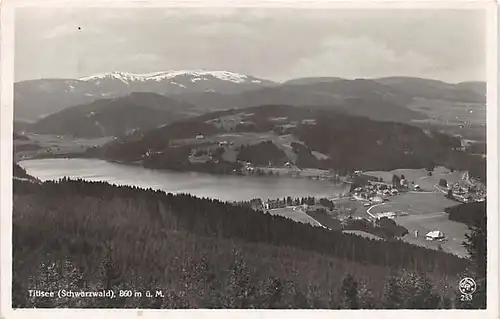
177 158
384 228
477 148
305 158
469 213
475 216
359 143
262 154
18 171
207 254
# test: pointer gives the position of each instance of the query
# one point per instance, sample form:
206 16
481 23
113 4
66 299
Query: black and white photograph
252 157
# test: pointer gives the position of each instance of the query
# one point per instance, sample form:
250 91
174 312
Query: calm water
226 188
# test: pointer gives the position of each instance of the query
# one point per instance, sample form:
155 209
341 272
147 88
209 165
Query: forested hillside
204 253
19 172
349 142
113 117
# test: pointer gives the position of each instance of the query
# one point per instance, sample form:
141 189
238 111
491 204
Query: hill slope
206 254
434 89
113 117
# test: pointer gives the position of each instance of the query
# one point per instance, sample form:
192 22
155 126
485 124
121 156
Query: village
381 210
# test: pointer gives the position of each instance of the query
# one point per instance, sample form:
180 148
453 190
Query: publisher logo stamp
467 286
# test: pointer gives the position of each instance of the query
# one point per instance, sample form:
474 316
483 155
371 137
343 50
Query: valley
268 167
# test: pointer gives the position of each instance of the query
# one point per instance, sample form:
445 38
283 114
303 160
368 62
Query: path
297 209
369 209
439 189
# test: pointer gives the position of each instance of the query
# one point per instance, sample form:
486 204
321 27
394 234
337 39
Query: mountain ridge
213 90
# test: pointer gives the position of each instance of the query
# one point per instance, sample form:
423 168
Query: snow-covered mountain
37 98
194 76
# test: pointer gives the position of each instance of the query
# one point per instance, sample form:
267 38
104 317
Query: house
377 200
434 235
390 215
273 204
257 203
309 121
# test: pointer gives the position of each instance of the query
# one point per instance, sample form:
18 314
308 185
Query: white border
6 116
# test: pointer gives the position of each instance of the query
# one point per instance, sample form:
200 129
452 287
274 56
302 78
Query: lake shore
222 187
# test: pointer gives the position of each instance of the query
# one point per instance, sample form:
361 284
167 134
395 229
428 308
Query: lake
222 187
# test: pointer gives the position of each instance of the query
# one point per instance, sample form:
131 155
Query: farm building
390 215
434 235
377 200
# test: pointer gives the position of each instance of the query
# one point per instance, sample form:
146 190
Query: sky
276 44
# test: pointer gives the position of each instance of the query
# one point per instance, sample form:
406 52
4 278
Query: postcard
323 158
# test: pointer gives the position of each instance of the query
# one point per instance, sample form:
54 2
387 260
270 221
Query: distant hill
35 99
386 99
309 80
217 90
114 117
356 97
477 87
434 89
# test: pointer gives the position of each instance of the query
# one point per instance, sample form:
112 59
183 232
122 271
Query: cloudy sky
276 44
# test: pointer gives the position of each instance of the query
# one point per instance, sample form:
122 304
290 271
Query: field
39 145
449 112
306 172
449 116
236 140
420 177
425 209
